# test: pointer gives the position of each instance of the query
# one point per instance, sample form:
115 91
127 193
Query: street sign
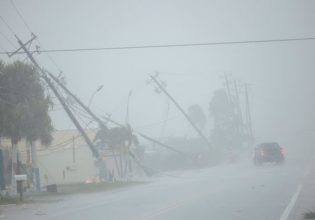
22 177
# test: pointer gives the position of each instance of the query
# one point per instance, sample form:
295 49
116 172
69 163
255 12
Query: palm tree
119 139
24 107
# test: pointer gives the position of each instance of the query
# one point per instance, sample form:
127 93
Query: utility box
19 180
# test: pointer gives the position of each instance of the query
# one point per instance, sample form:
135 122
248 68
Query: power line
53 61
2 48
8 26
175 45
65 142
20 15
80 111
157 123
5 37
30 30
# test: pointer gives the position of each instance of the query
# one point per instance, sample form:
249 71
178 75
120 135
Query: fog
281 75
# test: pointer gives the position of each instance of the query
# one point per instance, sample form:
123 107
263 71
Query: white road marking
290 206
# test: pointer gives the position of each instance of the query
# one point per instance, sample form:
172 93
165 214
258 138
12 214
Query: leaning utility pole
59 97
161 87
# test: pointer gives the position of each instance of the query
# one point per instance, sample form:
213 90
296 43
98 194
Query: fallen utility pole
59 97
161 87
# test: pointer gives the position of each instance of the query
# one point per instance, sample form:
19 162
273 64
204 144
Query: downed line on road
290 206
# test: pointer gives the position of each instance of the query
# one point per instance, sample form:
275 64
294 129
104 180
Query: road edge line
291 204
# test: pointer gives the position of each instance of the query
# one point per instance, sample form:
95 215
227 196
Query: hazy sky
282 75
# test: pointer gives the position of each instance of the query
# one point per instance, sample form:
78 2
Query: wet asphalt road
238 191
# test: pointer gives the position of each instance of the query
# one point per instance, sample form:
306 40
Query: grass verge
64 190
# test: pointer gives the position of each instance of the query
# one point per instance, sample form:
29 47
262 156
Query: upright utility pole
238 107
127 109
228 89
59 97
248 113
161 87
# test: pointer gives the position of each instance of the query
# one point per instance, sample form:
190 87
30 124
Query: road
238 191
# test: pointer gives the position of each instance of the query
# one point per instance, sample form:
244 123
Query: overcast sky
281 75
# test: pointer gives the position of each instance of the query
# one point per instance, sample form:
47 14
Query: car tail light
282 150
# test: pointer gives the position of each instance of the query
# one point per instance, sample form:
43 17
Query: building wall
71 164
69 160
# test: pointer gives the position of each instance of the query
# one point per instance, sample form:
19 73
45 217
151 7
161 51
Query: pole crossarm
24 45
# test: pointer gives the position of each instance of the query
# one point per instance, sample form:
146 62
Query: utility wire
80 111
158 123
53 61
81 118
20 15
176 45
5 37
8 26
2 48
65 142
81 114
30 30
